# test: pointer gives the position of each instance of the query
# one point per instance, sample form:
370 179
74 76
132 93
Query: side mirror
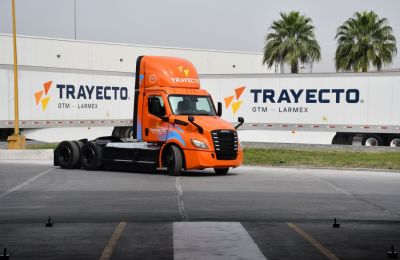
219 109
190 119
241 121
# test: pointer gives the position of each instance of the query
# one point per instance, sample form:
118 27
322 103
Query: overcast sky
206 24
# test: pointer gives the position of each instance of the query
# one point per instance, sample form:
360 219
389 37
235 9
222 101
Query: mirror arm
191 120
241 121
199 127
237 126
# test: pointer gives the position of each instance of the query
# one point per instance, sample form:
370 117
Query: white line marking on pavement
213 240
337 188
365 201
179 194
34 178
109 249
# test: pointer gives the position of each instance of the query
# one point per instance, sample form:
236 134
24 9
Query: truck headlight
199 144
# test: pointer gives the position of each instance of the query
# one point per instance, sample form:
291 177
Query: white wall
42 52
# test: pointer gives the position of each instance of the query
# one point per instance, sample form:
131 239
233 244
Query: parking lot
252 213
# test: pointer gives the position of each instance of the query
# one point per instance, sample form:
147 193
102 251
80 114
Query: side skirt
131 159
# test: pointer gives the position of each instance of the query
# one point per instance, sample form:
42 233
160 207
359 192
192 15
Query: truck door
154 128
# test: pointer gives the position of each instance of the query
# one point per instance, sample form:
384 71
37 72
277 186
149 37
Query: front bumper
196 159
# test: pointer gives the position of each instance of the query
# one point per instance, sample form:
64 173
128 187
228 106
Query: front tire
174 161
91 155
221 171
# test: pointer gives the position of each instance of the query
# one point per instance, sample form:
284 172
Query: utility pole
15 141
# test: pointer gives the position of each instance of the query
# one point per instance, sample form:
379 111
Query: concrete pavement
88 206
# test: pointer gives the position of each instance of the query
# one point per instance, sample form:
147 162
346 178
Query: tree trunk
294 67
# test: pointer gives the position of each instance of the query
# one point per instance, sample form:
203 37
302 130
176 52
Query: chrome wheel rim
371 142
395 142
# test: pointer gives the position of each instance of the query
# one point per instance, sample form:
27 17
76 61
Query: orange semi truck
175 126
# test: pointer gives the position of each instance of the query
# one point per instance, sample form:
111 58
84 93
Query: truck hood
210 123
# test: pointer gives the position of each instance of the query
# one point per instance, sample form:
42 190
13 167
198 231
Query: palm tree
363 40
292 42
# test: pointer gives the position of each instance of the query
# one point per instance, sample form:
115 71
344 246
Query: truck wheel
372 140
174 161
221 171
91 156
395 142
80 145
67 155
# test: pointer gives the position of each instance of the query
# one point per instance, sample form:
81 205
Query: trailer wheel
221 171
174 161
372 140
395 142
67 155
91 156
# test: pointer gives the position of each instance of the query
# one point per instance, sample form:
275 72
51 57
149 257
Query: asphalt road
252 213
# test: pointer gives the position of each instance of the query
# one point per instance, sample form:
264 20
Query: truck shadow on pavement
191 173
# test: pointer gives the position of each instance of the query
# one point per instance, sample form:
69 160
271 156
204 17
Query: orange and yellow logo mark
39 94
184 71
235 105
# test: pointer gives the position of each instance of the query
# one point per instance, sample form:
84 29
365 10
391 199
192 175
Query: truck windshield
191 105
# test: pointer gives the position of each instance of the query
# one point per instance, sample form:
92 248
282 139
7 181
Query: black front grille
225 144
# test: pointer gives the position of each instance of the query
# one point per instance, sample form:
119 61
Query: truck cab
175 125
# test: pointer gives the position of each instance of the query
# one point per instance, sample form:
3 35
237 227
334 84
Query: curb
34 154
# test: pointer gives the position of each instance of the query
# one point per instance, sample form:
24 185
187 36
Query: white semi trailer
62 102
344 104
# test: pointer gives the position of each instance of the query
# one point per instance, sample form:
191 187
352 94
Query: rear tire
91 155
372 140
221 171
80 145
174 161
67 155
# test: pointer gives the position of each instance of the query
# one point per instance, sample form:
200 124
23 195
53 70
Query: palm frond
292 41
